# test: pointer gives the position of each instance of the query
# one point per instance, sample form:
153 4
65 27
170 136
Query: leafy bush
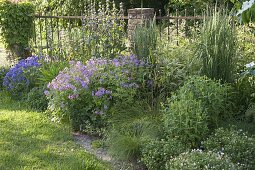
155 153
172 66
36 99
22 77
17 26
217 47
86 92
3 72
213 96
198 159
186 120
237 145
194 108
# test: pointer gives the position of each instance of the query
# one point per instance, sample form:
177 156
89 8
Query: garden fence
54 33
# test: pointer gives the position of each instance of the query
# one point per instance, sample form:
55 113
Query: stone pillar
136 17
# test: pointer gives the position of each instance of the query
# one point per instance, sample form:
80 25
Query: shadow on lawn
40 146
29 140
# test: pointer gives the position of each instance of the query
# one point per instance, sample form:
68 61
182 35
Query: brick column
136 17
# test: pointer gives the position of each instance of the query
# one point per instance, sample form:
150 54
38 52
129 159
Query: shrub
217 47
36 99
194 108
86 92
186 120
213 96
237 145
198 159
155 153
3 72
21 78
17 26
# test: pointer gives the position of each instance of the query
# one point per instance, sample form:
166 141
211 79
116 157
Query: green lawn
28 140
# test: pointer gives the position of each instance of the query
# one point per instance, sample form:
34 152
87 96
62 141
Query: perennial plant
21 78
93 87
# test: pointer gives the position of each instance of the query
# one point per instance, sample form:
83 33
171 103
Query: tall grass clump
217 47
145 41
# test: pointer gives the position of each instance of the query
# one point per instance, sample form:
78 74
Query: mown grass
28 140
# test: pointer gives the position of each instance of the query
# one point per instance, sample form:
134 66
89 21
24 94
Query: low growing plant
36 99
49 70
236 144
3 72
198 159
156 153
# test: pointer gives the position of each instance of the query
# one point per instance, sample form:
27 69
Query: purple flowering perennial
16 75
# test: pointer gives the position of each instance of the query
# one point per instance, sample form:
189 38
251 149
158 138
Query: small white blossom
249 65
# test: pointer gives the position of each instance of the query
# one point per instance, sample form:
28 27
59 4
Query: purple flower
46 93
101 91
15 77
73 96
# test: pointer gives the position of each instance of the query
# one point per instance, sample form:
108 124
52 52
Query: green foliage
73 7
237 145
214 97
186 120
250 113
100 34
17 26
132 125
36 99
195 108
217 47
145 42
196 6
155 153
247 11
198 159
3 71
172 65
48 71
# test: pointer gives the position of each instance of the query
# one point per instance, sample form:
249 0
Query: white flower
246 5
249 65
